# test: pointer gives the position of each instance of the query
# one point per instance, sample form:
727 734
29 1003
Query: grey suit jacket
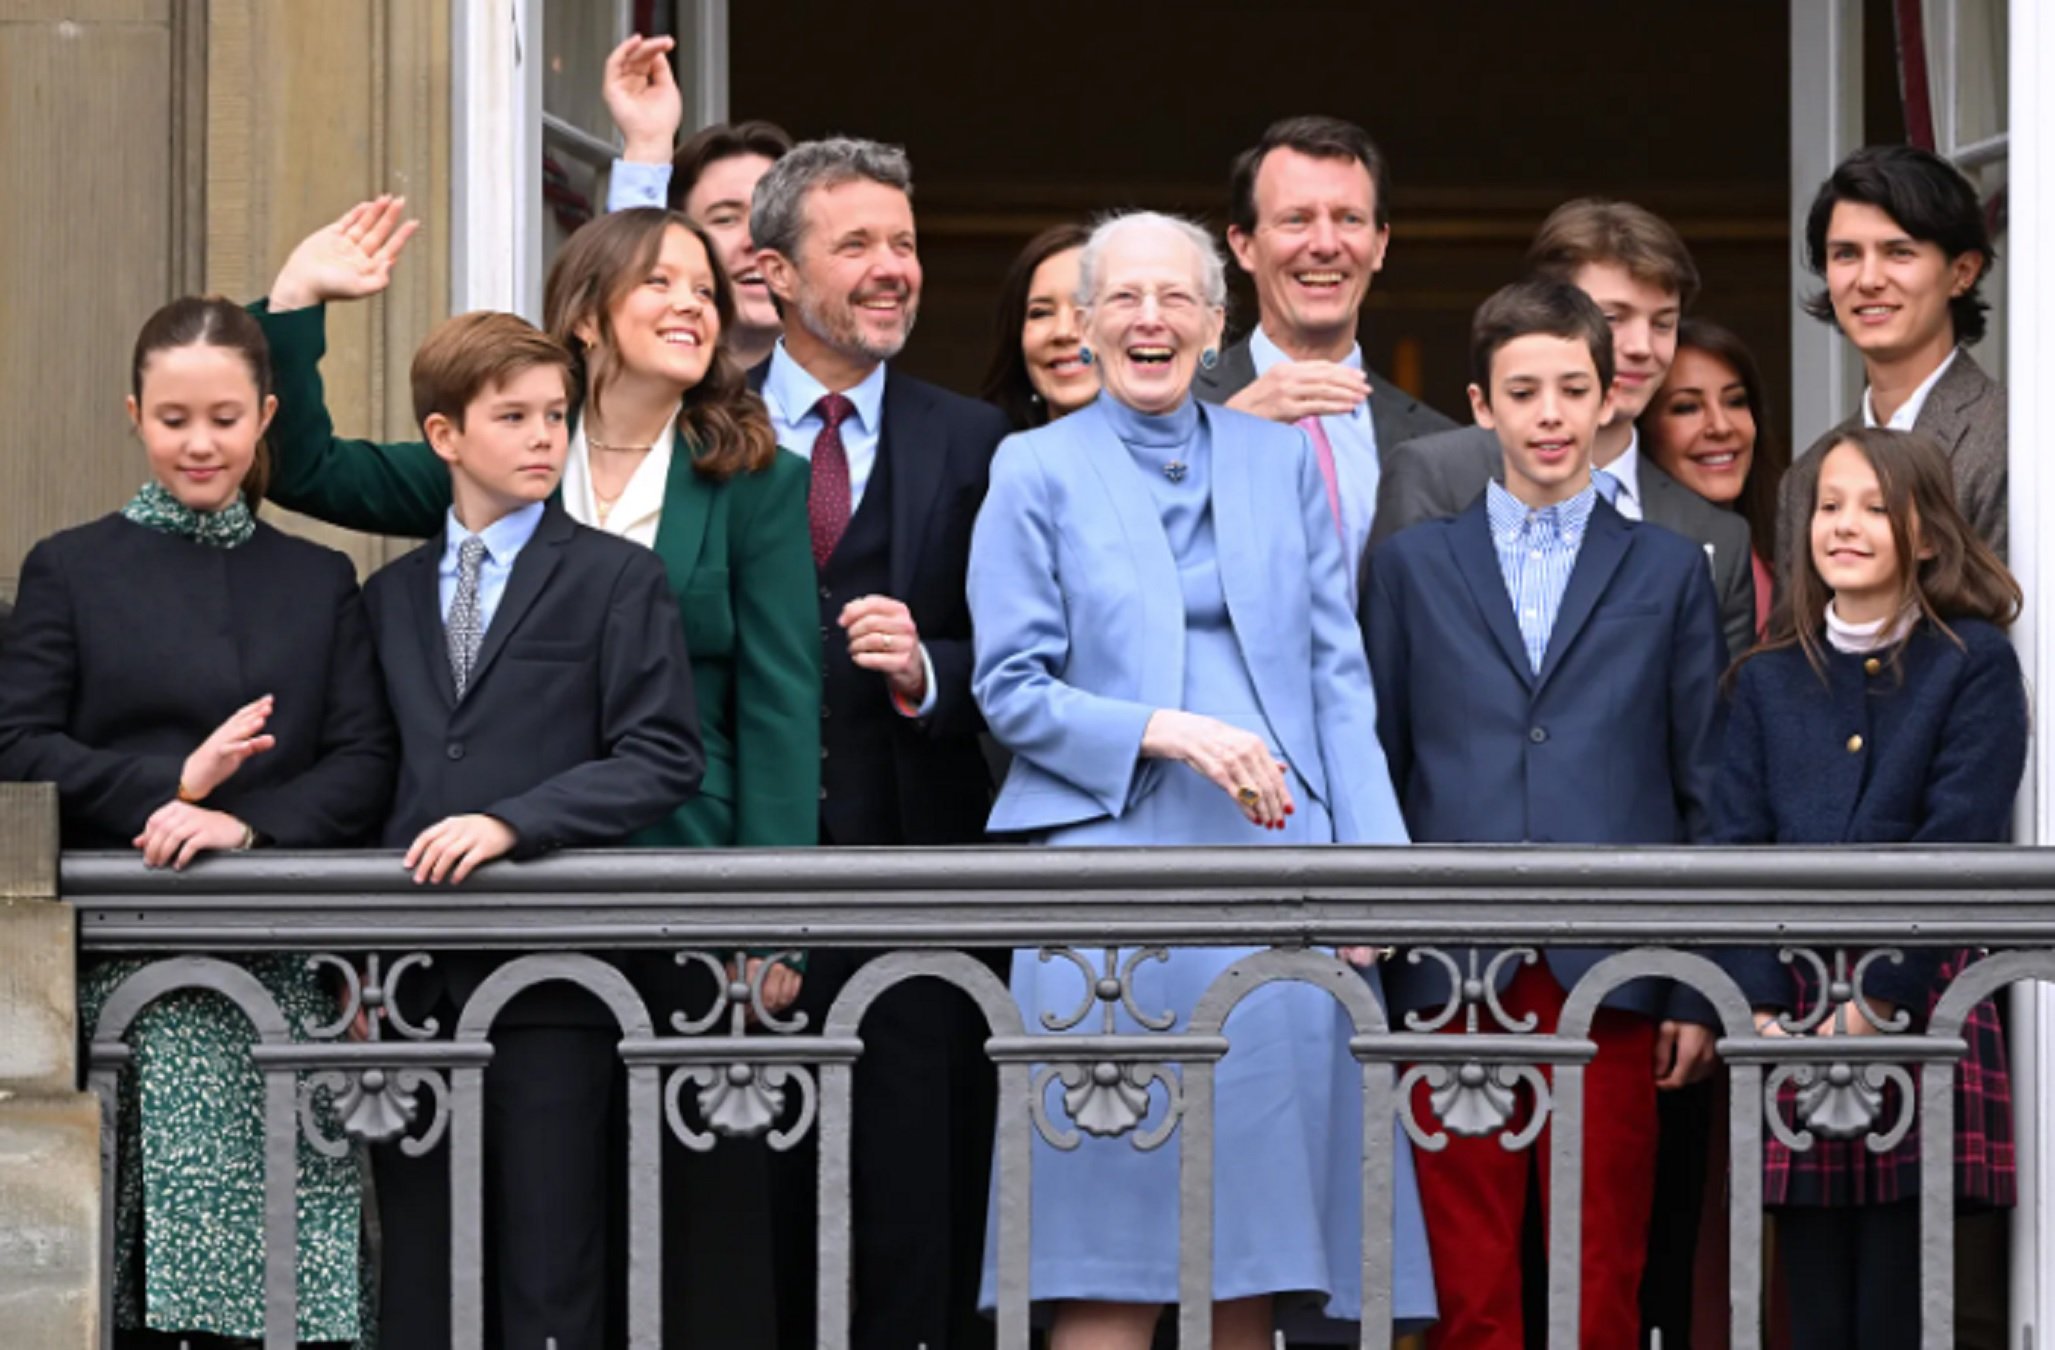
1395 415
1438 476
1965 412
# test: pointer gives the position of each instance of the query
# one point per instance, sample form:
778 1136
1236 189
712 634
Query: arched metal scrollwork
743 1096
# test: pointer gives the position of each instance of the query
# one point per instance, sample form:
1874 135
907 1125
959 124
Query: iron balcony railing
1837 911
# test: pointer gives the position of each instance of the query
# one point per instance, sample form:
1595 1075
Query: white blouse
641 507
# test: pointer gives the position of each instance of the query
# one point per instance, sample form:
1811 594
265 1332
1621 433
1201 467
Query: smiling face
1314 249
1853 546
855 286
200 417
1702 431
1546 405
508 448
1643 317
1890 291
1052 336
1149 319
719 204
665 323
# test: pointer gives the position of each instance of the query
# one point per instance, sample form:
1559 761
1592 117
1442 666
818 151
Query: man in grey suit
1308 222
1634 265
1900 240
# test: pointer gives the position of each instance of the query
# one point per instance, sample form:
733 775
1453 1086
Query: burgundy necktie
827 498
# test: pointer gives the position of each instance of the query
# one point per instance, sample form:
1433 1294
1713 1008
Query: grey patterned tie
462 627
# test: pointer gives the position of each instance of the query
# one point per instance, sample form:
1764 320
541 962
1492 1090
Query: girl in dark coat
193 680
1886 707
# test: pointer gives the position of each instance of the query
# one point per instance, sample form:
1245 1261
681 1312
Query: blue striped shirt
1537 548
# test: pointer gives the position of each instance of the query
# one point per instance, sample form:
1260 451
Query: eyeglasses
1132 299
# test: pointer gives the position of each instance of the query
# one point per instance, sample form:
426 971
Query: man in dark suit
1547 672
538 676
899 470
1635 267
1900 239
1309 221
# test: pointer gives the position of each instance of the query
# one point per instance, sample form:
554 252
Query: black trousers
920 1153
1853 1275
1684 1117
551 1201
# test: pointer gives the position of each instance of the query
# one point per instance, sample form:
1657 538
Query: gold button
1872 666
1854 744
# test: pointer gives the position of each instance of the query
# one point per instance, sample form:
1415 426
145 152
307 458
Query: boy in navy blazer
538 674
1546 672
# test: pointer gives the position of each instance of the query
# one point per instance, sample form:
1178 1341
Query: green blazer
740 563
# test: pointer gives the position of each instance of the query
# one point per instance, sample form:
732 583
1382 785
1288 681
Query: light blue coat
1078 618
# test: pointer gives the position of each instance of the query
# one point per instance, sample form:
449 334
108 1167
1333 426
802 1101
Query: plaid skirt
1846 1172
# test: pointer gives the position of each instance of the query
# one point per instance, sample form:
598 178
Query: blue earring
1209 358
1084 356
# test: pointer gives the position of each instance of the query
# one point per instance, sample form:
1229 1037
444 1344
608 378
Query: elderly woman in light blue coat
1164 642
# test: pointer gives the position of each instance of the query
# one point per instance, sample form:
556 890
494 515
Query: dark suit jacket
1612 743
1965 412
1434 478
577 725
1395 415
128 647
939 446
740 573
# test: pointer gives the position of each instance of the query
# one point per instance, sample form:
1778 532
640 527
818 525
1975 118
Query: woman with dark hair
1708 427
193 680
1039 369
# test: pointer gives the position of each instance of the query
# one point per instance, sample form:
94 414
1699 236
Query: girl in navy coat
1885 707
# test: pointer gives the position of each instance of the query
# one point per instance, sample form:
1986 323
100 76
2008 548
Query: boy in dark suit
1546 672
538 674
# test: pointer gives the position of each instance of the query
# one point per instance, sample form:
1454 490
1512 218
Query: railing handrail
1000 896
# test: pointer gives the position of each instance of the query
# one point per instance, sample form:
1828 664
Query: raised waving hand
347 259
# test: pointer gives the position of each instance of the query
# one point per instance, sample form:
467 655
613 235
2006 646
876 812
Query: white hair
1212 268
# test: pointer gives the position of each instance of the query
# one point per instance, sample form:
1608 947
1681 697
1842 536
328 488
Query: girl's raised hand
217 758
348 259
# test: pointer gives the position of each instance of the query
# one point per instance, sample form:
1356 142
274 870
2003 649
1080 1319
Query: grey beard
853 343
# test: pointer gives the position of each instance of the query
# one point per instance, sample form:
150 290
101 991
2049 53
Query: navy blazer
1924 747
1613 742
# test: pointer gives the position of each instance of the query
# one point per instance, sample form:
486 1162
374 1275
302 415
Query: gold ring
1246 796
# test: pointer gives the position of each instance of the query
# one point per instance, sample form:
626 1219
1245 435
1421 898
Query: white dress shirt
640 509
1908 411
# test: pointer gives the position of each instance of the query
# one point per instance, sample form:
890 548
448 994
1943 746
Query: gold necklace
619 449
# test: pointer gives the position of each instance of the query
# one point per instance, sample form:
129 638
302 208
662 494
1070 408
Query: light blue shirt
1537 550
630 185
791 393
1353 437
504 540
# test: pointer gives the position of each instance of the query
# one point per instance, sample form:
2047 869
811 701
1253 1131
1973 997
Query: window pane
577 35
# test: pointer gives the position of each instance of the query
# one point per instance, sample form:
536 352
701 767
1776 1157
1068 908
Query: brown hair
470 354
1595 230
1962 580
1006 385
723 140
1317 138
727 426
211 321
1538 305
1757 503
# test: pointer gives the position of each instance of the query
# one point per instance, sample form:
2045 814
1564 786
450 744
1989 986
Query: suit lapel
1476 557
532 569
914 446
1606 540
1945 416
681 529
1660 504
1154 571
424 594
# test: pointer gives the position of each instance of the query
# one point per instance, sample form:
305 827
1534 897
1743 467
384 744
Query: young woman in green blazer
668 448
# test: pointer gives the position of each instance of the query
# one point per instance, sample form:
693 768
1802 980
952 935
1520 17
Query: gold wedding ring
1246 796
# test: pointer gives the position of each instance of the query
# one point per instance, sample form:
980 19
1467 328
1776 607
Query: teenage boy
538 675
1587 648
1638 272
1900 240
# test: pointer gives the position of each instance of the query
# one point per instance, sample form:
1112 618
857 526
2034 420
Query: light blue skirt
1288 1122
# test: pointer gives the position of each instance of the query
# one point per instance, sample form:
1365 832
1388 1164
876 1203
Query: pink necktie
1324 452
827 496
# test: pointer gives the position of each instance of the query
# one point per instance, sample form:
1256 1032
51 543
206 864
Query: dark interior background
1490 112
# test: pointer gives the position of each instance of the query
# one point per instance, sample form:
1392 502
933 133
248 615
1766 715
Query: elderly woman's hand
1237 761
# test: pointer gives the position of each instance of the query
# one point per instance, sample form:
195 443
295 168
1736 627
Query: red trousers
1475 1192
